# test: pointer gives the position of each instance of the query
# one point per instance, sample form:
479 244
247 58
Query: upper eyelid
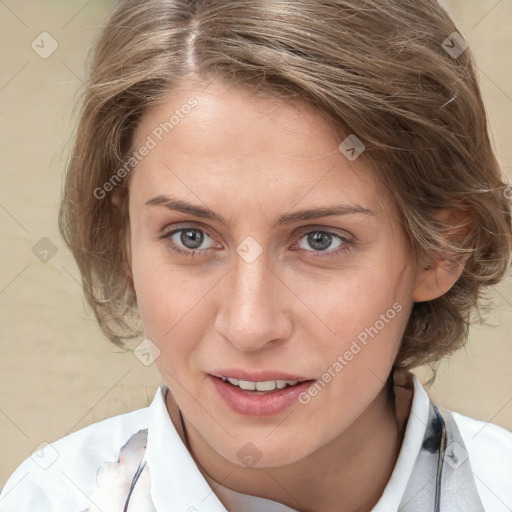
176 229
304 230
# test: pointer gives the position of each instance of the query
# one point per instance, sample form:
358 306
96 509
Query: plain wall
58 372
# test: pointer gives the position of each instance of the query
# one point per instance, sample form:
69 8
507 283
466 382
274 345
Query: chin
262 454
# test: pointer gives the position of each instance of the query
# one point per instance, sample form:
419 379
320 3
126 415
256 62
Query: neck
352 469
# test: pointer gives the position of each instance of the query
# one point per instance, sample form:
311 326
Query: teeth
246 384
267 385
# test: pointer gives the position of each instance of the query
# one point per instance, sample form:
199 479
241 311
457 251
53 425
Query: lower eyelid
168 237
344 240
345 243
334 235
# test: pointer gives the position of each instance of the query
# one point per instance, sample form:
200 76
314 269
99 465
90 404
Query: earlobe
116 199
435 280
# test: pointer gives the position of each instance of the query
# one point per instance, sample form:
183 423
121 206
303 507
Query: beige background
58 373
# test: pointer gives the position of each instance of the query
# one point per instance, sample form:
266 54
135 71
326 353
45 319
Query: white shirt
63 477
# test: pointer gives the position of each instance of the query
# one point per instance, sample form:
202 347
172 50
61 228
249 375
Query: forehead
223 113
219 136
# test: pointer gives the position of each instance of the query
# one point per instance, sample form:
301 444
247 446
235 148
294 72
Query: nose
253 309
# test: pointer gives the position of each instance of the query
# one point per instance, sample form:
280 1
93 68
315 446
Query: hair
376 68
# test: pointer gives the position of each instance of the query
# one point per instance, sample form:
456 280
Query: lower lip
249 403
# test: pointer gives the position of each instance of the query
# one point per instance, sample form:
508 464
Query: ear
117 200
436 277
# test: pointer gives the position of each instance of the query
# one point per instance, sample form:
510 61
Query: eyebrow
289 218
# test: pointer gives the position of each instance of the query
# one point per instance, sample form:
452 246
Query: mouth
262 387
258 398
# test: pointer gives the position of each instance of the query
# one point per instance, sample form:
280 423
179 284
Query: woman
301 203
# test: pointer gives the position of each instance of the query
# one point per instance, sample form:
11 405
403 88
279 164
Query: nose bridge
250 309
250 279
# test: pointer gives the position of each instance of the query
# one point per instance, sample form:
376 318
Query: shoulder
489 450
62 474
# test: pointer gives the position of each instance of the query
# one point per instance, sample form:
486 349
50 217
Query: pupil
316 239
194 236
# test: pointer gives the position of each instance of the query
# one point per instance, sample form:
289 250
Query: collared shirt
140 456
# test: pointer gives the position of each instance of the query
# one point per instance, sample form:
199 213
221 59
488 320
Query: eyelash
347 243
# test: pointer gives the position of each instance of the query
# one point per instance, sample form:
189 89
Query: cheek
366 338
354 361
361 314
175 305
357 297
164 296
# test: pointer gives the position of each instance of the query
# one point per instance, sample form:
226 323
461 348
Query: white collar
176 479
176 482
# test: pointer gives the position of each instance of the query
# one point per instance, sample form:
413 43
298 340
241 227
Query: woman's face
239 273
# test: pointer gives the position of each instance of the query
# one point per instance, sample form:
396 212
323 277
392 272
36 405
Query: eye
189 241
186 240
321 240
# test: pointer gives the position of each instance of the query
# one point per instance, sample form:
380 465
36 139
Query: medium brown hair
378 69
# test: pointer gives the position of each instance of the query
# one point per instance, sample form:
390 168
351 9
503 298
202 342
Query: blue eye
187 241
321 240
194 237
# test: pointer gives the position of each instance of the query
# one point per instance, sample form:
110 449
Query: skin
252 159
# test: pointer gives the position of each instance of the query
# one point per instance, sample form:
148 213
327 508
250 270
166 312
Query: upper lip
256 375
